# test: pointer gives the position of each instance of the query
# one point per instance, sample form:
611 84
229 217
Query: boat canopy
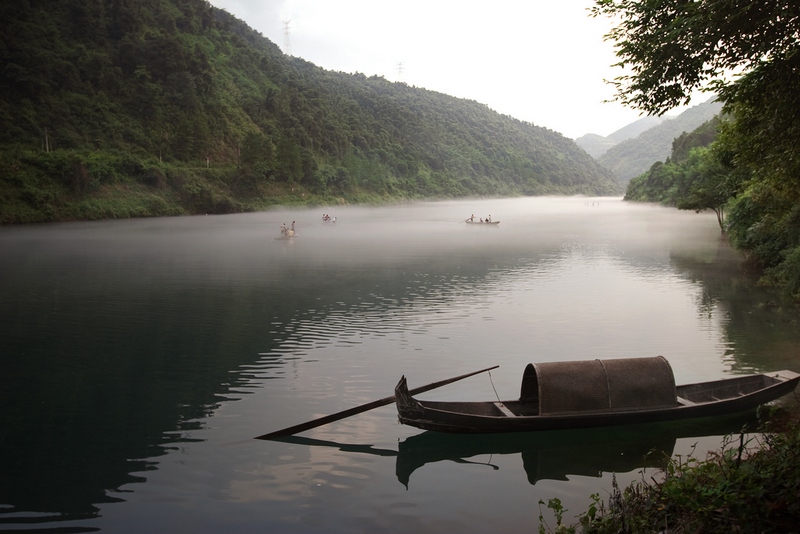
593 386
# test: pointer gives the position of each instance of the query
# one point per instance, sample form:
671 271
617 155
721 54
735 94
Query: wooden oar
363 408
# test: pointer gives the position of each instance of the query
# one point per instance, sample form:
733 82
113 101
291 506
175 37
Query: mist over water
140 357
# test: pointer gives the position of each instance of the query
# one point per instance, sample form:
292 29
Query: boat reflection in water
552 455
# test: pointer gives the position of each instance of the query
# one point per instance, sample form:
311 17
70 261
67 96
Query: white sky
541 61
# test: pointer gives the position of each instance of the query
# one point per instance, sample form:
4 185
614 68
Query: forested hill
119 108
632 157
597 145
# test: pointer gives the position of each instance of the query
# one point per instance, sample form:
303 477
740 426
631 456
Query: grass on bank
749 485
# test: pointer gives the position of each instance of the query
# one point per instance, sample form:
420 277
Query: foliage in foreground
749 487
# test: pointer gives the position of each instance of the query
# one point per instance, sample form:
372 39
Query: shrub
750 487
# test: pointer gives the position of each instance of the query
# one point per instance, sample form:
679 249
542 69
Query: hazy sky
541 61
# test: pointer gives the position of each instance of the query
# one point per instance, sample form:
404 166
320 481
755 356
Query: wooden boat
594 393
469 221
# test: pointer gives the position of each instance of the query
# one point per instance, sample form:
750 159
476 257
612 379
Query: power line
287 44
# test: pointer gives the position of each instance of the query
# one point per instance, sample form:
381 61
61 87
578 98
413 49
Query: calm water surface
139 358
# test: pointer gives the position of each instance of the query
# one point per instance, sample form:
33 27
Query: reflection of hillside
762 332
105 365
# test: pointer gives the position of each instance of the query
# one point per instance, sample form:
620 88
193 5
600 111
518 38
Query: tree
674 47
671 48
655 184
706 185
258 154
289 160
693 169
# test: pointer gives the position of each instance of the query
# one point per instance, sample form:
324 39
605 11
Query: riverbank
73 185
192 192
749 485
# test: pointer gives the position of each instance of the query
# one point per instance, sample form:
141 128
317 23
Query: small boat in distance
595 393
481 220
287 233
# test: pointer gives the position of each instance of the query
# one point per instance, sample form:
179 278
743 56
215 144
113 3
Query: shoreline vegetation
66 186
749 485
72 185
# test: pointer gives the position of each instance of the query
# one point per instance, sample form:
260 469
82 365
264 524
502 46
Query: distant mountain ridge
596 145
636 128
631 157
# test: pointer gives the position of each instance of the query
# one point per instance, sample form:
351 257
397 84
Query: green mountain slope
119 108
636 128
631 158
597 145
671 182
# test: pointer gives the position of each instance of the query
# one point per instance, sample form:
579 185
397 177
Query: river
139 358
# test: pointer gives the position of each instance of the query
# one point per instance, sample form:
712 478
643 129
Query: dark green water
139 358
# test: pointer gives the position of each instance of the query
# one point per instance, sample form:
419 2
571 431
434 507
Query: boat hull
741 394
